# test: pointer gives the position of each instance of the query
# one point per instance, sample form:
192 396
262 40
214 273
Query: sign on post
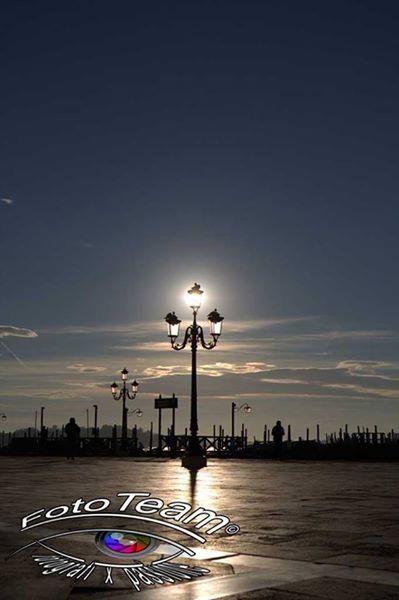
161 403
166 402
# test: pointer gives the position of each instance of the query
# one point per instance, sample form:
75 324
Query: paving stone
329 588
266 595
367 561
18 582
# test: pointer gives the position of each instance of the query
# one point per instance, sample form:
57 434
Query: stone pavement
308 529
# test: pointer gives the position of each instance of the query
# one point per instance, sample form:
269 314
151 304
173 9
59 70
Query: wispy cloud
164 371
7 201
343 334
262 324
217 369
366 368
82 368
225 346
285 381
137 329
357 376
146 328
56 394
11 331
144 347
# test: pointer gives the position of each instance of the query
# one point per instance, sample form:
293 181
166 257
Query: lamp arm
204 344
187 337
242 406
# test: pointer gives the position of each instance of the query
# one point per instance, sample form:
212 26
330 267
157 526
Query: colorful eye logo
127 548
117 543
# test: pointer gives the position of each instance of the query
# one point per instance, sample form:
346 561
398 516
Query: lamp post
124 393
95 420
194 335
42 430
136 411
139 413
3 417
234 409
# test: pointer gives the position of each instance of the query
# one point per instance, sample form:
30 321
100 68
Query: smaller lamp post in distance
95 430
139 413
124 393
136 411
42 428
3 418
247 408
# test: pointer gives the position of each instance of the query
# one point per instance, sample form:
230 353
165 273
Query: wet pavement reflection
295 517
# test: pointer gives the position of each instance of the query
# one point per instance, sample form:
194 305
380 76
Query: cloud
62 395
164 371
353 334
217 369
354 376
82 368
89 385
148 328
225 346
261 324
364 367
284 381
7 201
145 347
10 331
140 329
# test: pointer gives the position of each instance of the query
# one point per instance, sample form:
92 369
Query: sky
251 146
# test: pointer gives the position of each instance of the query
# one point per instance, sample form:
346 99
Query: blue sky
250 146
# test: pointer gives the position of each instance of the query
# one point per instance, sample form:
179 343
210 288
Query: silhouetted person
43 435
72 432
278 433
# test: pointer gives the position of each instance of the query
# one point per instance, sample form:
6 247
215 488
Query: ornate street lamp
3 417
194 335
124 393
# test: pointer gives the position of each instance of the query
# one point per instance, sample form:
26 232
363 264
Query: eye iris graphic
127 543
115 543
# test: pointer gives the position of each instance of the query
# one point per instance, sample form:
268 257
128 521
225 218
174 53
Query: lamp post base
193 463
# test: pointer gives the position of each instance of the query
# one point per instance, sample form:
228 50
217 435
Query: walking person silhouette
72 431
278 433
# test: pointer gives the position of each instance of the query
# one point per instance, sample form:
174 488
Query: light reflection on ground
331 513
